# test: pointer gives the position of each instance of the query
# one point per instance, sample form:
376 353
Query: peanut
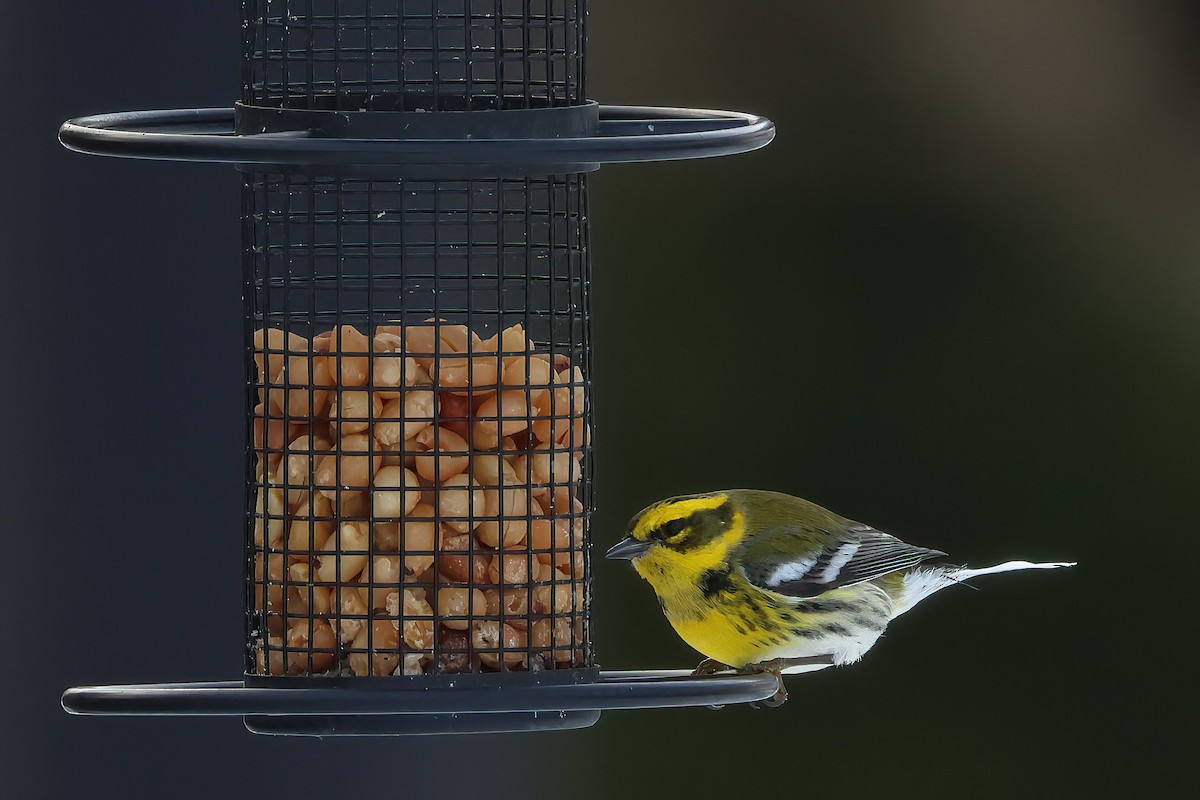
457 605
448 454
461 502
350 468
384 654
306 598
503 414
321 647
383 577
496 642
271 347
476 374
396 493
418 618
505 504
352 613
420 533
544 632
344 555
510 569
312 524
348 358
461 567
354 411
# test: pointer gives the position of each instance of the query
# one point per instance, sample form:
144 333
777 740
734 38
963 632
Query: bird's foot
776 667
775 700
709 666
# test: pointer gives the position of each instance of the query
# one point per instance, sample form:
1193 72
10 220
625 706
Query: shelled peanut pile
416 503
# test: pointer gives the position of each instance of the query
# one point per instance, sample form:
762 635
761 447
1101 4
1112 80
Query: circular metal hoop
380 708
624 134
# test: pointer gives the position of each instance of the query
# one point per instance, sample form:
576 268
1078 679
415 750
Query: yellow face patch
657 516
674 573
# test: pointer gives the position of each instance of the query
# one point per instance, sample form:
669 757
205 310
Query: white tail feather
924 581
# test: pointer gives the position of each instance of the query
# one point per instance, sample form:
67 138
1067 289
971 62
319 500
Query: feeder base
420 724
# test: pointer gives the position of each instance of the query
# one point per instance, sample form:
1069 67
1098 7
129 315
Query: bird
760 581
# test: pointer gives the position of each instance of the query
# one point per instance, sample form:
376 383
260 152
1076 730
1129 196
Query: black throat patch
715 581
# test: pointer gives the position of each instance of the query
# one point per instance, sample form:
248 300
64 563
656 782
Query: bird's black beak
628 549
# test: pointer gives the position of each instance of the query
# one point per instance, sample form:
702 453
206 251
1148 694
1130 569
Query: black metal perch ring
622 134
612 691
283 706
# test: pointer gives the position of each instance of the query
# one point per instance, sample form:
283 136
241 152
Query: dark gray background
957 298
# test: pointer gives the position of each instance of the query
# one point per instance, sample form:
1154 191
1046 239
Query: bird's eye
672 529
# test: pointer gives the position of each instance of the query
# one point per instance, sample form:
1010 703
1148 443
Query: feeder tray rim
624 134
610 690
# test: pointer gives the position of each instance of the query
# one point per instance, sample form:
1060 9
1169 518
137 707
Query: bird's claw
709 666
779 698
776 700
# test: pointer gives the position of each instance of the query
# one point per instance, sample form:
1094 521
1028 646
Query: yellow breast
736 626
722 636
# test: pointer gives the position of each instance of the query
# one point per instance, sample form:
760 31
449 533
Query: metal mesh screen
418 370
405 55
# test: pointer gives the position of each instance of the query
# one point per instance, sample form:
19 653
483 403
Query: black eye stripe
692 523
674 527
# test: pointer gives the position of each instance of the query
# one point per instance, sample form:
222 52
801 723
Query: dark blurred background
957 298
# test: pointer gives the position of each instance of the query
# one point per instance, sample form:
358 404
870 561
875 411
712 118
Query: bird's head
681 537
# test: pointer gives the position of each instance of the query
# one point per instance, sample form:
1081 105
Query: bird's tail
921 582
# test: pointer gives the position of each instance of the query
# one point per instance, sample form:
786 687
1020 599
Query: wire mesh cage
413 55
418 477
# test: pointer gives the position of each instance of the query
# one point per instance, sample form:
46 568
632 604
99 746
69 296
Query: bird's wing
784 559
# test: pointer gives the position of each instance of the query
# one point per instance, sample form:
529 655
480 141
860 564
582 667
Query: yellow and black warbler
763 581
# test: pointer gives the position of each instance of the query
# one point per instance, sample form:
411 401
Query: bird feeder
417 277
